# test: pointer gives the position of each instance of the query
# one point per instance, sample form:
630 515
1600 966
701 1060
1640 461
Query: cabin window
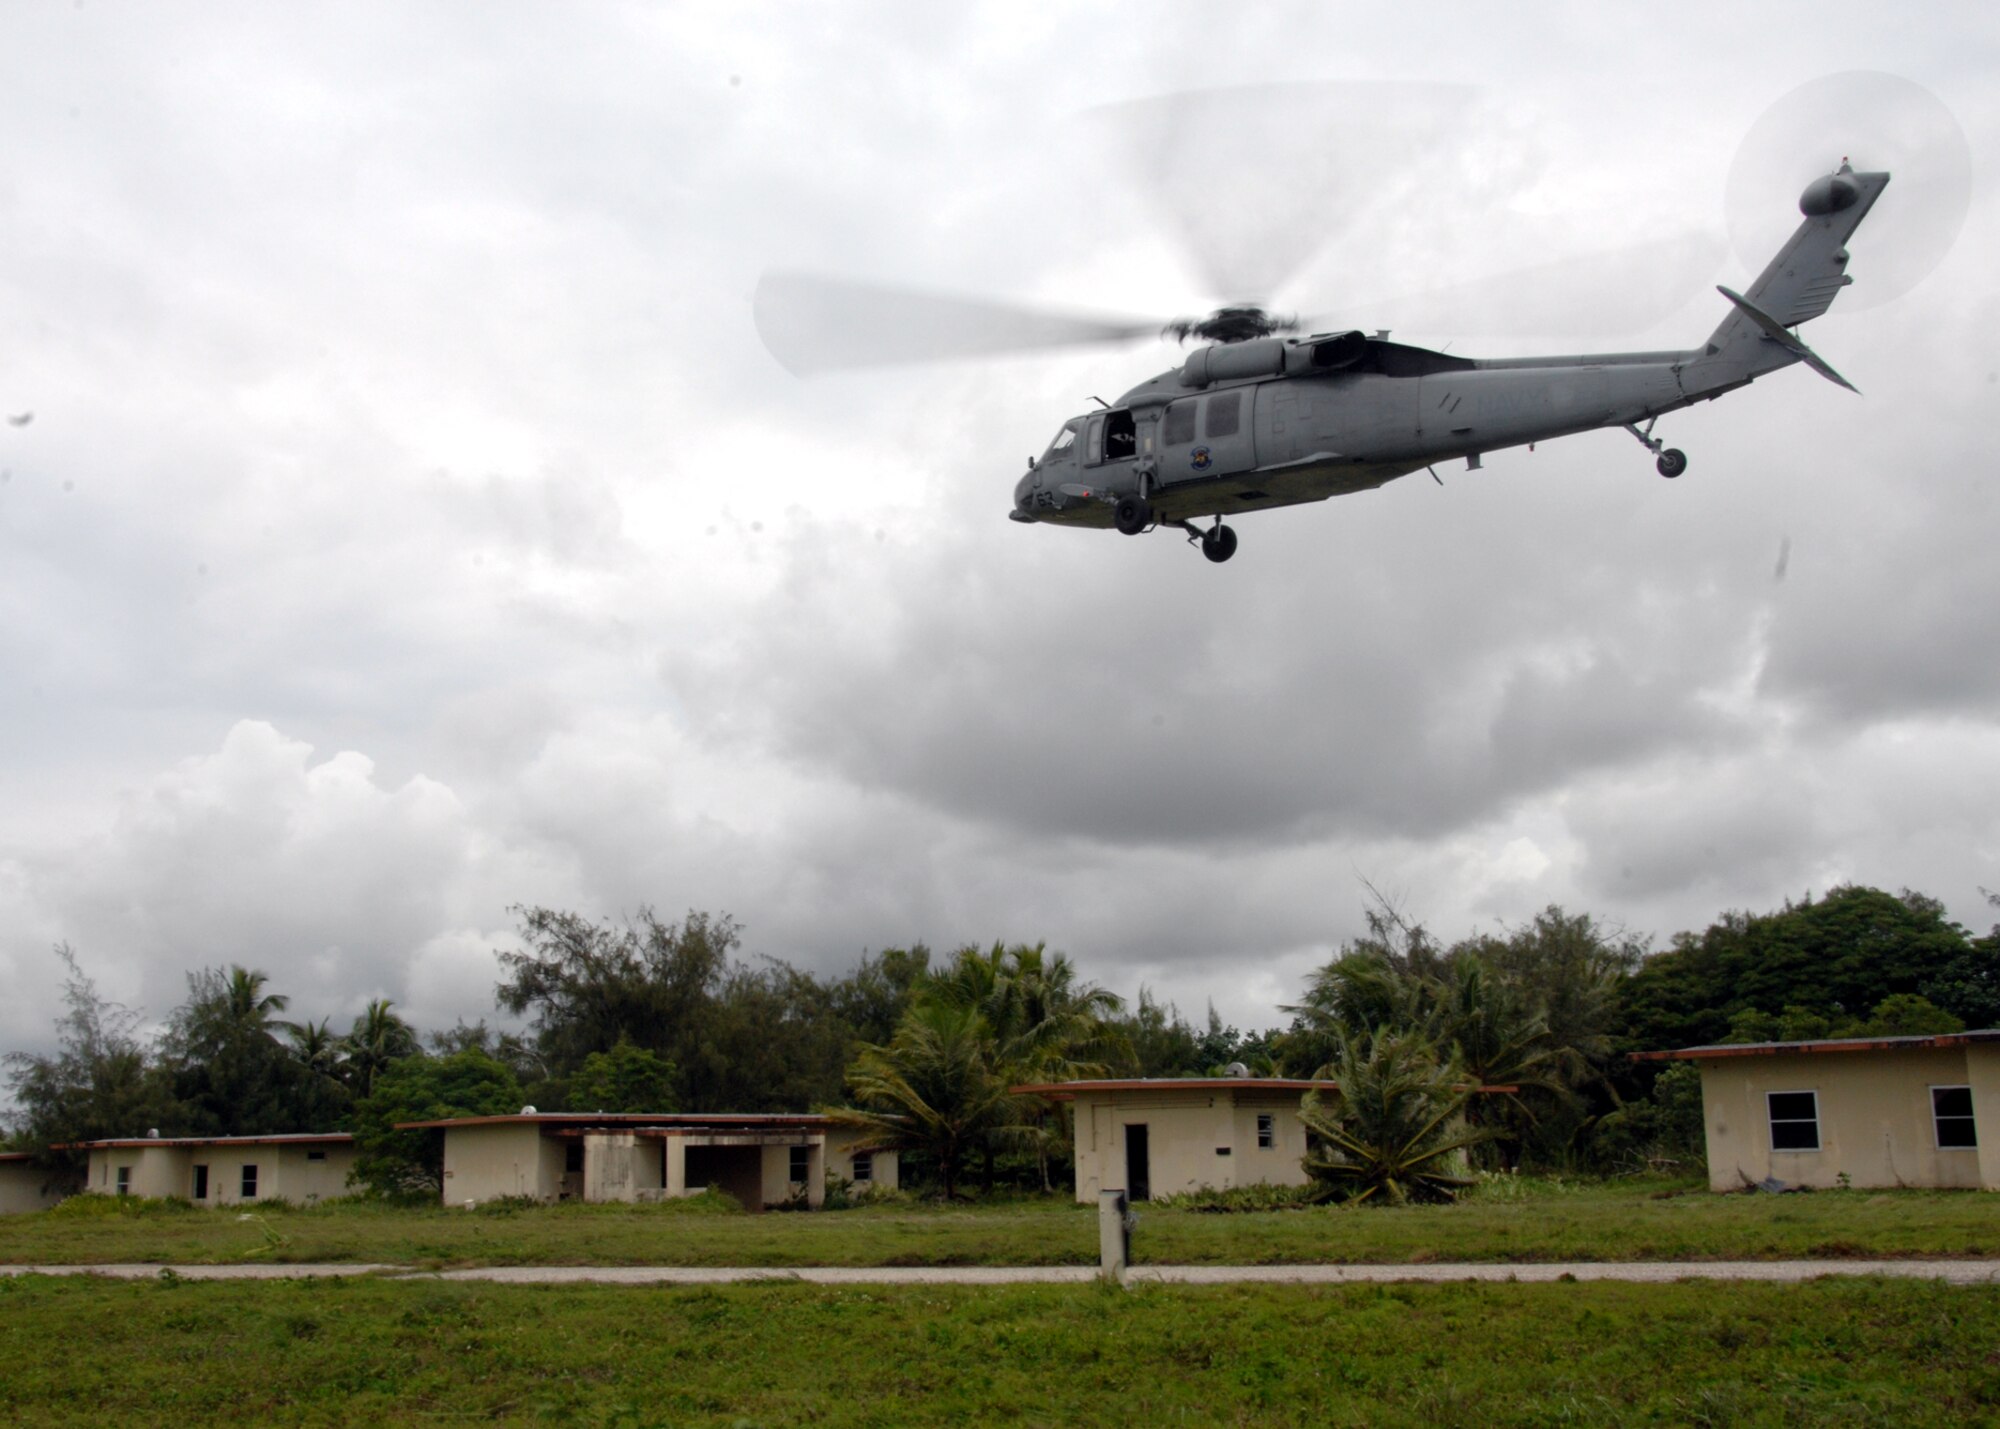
1951 1111
1121 435
1178 428
1225 414
249 1183
864 1167
801 1164
1065 439
1267 1130
1794 1120
200 1183
124 1180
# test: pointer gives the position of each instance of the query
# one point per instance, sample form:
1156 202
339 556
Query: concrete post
1114 1235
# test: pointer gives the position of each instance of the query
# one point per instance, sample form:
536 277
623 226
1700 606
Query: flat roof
286 1138
1824 1045
1061 1090
628 1120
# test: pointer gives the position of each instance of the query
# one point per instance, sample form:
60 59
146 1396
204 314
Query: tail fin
1810 270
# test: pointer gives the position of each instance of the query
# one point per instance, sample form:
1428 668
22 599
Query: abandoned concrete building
759 1159
1874 1111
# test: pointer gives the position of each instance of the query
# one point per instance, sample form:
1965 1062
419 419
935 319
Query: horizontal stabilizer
1776 331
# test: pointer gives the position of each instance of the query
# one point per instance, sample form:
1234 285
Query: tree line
923 1051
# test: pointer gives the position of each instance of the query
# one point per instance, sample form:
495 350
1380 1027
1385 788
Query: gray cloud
411 525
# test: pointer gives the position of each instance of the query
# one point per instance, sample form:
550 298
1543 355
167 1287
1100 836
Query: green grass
1522 1221
371 1351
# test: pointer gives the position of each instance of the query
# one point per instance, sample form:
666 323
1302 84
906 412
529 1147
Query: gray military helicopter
1262 415
1254 419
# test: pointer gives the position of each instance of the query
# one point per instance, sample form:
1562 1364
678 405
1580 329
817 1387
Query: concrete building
23 1185
1882 1111
223 1170
1167 1136
761 1160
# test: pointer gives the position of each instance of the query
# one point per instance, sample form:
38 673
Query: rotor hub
1233 324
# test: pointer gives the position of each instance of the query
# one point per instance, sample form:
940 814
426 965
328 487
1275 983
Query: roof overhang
1064 1091
562 1123
1718 1050
300 1138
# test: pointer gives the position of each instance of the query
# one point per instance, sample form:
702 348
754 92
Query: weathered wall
482 1163
1186 1131
307 1175
840 1142
156 1170
1875 1121
21 1188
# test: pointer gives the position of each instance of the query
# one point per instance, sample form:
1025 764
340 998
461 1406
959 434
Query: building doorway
1138 1167
739 1170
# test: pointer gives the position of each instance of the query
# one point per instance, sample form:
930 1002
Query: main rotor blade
1874 121
814 323
1592 295
1255 181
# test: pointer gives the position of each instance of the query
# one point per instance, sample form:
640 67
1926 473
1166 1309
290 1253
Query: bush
1261 1197
1663 1133
93 1206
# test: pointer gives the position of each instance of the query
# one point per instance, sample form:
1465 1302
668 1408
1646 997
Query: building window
864 1167
1951 1110
124 1180
1267 1130
801 1164
573 1158
315 1156
201 1183
249 1183
1794 1120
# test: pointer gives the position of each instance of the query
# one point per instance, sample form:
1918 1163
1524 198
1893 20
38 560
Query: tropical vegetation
1528 1025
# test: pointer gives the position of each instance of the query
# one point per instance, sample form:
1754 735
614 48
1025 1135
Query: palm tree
1499 1041
316 1045
248 1008
933 1089
1045 1024
379 1037
1393 1124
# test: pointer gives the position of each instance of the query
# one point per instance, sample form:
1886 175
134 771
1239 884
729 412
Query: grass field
1511 1221
370 1351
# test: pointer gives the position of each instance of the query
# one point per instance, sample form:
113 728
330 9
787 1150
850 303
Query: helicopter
1268 412
1255 419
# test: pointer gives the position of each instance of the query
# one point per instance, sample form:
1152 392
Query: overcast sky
410 523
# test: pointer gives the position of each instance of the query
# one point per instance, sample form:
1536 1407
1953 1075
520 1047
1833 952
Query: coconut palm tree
1046 1026
932 1089
1393 1125
378 1038
316 1045
1498 1041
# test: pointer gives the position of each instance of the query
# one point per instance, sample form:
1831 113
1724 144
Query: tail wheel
1673 461
1131 515
1219 544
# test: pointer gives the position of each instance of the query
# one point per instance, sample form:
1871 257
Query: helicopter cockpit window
1225 414
1178 428
1121 435
1065 439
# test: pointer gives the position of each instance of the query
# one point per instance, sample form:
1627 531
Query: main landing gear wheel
1131 515
1673 461
1218 544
